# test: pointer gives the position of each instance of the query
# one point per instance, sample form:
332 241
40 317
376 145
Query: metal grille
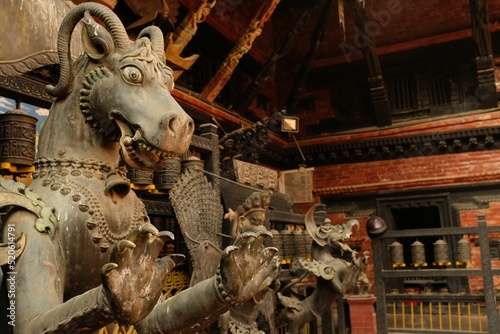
437 316
404 93
443 312
440 91
176 281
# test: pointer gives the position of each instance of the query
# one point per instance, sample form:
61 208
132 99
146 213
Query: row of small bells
292 244
441 253
168 175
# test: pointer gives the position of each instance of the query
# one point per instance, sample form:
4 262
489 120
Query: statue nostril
172 124
178 124
190 126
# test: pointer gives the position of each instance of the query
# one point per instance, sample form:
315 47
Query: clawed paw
247 267
134 277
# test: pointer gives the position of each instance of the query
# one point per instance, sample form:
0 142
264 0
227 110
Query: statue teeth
84 91
127 141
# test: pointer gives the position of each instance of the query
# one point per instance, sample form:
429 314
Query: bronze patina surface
90 254
335 276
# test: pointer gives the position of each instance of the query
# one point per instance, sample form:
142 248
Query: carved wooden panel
255 175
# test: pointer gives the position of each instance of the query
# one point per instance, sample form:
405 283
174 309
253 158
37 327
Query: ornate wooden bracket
183 34
219 80
481 34
253 89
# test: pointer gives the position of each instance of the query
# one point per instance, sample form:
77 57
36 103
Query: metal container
299 244
139 176
441 252
464 254
192 164
288 246
418 253
17 138
169 174
397 254
277 241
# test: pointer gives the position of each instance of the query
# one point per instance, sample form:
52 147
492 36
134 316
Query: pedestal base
362 314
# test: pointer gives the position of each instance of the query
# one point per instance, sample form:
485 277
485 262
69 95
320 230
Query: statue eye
132 74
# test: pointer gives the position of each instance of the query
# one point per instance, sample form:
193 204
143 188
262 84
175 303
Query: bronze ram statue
335 276
91 255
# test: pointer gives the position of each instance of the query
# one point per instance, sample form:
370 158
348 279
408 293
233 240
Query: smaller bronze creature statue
335 276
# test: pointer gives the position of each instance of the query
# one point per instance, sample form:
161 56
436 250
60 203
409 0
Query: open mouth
137 152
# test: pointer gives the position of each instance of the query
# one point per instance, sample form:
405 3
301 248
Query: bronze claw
166 236
146 229
108 267
123 245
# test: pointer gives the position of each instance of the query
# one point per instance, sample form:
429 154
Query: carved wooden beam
316 39
486 91
376 81
178 40
219 80
253 89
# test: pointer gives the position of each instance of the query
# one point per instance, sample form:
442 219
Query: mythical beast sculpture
205 246
335 275
90 254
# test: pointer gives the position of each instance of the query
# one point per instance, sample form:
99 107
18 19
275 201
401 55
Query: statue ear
97 42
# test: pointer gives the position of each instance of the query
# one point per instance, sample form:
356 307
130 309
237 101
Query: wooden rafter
178 40
283 48
219 80
316 40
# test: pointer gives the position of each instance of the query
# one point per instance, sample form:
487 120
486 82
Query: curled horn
311 225
350 224
157 40
68 24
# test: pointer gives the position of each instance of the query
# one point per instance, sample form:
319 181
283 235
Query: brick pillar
362 314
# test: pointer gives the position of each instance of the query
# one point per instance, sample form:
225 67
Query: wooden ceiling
310 57
340 66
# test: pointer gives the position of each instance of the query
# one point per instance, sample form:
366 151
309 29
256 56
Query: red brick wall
469 218
404 174
465 168
420 172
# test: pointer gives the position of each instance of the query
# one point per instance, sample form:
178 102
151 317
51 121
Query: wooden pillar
362 314
489 286
486 90
376 82
219 80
